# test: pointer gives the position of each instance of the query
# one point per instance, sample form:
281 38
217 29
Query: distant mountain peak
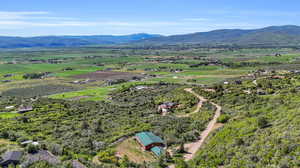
287 34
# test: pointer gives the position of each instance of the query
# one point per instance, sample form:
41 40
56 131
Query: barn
150 142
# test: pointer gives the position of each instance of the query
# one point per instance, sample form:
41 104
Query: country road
192 148
199 105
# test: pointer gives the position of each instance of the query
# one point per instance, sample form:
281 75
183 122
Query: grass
203 77
171 79
8 115
5 142
282 59
210 80
95 94
134 151
80 71
223 71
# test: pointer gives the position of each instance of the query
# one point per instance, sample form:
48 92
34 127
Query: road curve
199 105
192 148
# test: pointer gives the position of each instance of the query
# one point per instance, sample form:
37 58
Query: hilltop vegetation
71 129
262 129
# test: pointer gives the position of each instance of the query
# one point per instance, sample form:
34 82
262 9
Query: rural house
150 142
23 109
166 107
11 158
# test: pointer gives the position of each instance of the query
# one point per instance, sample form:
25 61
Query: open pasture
106 75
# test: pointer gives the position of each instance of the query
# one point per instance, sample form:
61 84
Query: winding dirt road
199 105
193 147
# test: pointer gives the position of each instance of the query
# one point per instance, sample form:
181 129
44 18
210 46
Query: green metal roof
147 138
158 151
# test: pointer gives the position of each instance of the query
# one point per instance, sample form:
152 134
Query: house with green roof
150 142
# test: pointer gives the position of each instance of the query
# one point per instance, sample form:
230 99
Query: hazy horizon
92 17
140 33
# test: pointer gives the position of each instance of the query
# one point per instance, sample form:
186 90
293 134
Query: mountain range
274 35
70 41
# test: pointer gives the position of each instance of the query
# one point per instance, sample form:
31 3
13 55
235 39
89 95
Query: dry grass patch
133 150
6 145
5 142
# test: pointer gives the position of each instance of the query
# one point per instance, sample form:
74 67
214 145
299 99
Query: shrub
262 122
108 156
180 163
223 118
32 148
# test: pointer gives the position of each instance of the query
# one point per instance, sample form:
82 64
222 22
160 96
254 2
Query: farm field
87 103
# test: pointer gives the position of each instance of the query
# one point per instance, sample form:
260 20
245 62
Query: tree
98 126
262 122
11 166
180 163
168 157
181 148
32 148
161 162
223 118
85 125
124 162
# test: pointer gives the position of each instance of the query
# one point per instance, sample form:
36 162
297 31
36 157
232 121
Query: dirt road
199 105
193 147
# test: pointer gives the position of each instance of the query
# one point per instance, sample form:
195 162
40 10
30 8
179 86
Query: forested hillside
261 130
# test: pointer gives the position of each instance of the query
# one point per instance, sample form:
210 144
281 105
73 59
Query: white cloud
25 22
26 19
37 24
45 19
20 15
45 23
197 19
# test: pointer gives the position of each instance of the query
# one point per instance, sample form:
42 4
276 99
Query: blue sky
97 17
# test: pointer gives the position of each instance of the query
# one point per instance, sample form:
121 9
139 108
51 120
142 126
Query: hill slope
269 35
69 41
260 130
